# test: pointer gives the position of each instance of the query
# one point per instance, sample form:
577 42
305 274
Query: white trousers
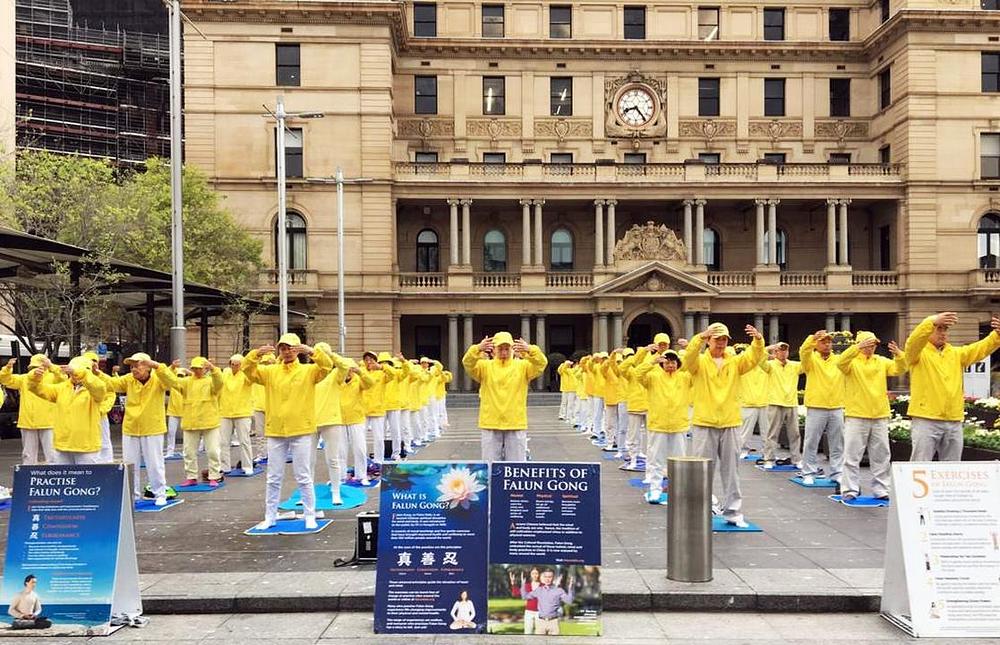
107 454
872 434
301 449
257 423
563 404
662 446
781 416
145 450
32 441
442 413
597 415
583 415
332 437
64 458
722 446
241 426
504 445
354 449
428 422
636 431
394 428
818 421
622 422
173 426
377 427
571 404
753 418
408 419
931 436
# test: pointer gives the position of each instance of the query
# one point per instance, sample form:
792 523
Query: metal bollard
689 523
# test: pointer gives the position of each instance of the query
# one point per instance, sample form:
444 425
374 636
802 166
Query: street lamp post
177 330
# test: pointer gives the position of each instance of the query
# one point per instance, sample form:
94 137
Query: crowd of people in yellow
293 394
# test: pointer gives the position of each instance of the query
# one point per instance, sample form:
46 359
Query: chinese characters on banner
432 548
942 557
545 549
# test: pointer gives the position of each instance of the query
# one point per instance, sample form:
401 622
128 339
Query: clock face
635 107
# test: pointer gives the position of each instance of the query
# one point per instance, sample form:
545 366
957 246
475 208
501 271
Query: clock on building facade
634 106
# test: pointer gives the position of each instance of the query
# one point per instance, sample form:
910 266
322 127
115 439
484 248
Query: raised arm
899 364
251 366
472 362
754 354
535 357
977 351
39 387
807 350
692 353
95 386
849 354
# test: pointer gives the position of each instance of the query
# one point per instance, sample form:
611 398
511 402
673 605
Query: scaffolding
93 92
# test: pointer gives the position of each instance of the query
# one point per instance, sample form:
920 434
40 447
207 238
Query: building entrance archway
644 327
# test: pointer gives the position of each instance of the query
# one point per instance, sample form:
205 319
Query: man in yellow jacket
936 387
353 445
503 393
782 405
76 436
715 378
143 427
632 408
866 423
582 399
753 395
615 405
290 404
257 394
594 371
235 410
393 403
200 419
329 420
567 391
668 392
824 402
175 410
440 397
35 415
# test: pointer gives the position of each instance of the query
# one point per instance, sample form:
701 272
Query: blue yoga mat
609 456
350 495
199 488
787 468
753 456
5 505
290 527
174 458
861 502
636 482
719 525
149 506
818 482
238 472
662 501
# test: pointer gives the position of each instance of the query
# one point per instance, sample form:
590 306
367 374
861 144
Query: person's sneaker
213 483
235 443
160 501
740 524
248 471
336 499
264 525
641 455
848 497
618 454
716 509
365 481
310 523
562 418
837 489
808 480
652 496
883 498
189 482
798 464
633 465
744 453
768 464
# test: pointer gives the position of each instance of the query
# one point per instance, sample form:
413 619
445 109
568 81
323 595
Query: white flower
459 487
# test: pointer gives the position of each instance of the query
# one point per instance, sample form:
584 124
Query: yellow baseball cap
80 364
424 359
824 335
720 330
91 355
862 336
502 338
661 338
384 357
199 362
601 355
289 339
138 357
321 346
350 362
36 361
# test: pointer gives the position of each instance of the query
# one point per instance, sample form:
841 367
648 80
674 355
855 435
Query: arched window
712 250
495 251
989 241
427 251
562 250
780 248
295 229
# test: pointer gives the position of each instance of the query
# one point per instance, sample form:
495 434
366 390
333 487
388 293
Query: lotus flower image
459 487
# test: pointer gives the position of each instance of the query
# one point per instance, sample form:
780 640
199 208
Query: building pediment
656 277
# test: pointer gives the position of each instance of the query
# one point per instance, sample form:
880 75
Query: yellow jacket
352 407
374 397
590 383
614 385
175 400
441 383
669 397
329 411
636 396
783 383
567 379
201 400
34 412
867 396
394 386
754 387
414 386
289 392
77 411
257 396
236 397
503 387
714 388
143 401
936 384
824 380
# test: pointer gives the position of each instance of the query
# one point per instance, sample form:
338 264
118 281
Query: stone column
453 223
616 331
467 328
844 260
702 322
602 332
772 330
689 326
772 231
831 232
598 234
845 322
539 258
466 232
609 254
454 354
526 327
699 231
758 322
761 254
543 380
831 322
688 231
595 335
525 232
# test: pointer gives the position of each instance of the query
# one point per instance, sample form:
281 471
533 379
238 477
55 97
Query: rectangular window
427 341
561 96
287 69
708 23
991 5
708 97
840 24
774 97
839 158
840 97
425 95
293 152
493 95
492 21
494 157
710 157
885 154
561 21
635 23
426 157
635 157
989 156
885 88
561 157
991 72
425 23
777 158
774 24
884 9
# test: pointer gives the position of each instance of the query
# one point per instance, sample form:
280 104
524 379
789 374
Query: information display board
545 549
942 553
976 379
431 570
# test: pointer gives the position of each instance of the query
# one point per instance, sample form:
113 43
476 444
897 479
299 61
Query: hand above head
521 346
265 349
753 332
209 365
652 347
38 372
894 348
660 360
116 369
176 363
995 324
946 318
486 344
12 362
820 334
46 363
707 334
302 348
870 342
682 342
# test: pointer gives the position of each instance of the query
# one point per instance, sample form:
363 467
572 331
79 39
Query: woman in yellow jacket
393 403
374 399
752 395
235 410
107 447
567 391
200 419
669 394
35 415
866 423
257 396
503 393
175 410
782 405
426 421
290 407
636 403
353 447
615 410
76 436
580 421
413 427
440 410
329 420
143 426
595 389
